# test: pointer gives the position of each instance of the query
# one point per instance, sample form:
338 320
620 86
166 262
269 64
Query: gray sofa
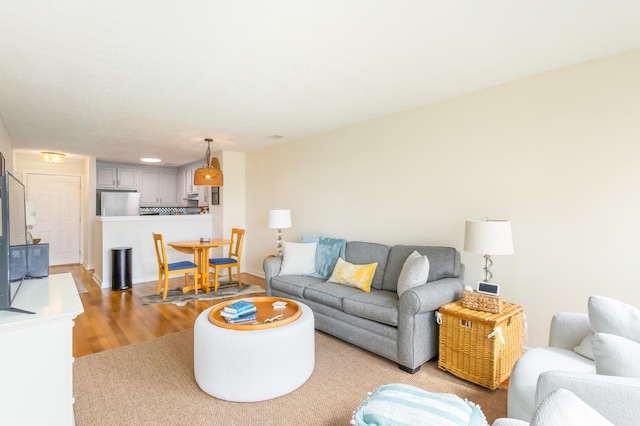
404 329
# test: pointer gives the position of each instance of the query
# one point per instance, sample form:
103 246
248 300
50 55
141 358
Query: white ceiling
122 79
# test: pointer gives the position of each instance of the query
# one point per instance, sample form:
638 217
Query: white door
57 200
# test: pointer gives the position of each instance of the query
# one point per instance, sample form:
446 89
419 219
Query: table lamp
488 237
279 219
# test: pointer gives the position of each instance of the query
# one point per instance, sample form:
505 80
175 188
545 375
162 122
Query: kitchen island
135 232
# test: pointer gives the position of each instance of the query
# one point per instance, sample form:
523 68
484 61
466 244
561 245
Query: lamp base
488 263
279 243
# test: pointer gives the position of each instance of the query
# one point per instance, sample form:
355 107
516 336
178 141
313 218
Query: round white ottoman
253 365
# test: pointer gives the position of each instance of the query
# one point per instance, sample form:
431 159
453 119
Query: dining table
200 250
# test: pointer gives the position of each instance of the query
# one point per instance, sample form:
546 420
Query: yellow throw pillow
359 276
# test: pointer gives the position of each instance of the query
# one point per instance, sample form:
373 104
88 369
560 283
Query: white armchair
560 408
602 383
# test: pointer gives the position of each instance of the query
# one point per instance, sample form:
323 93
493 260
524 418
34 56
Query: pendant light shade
210 175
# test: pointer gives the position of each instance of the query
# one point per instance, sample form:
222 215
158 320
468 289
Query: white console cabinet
36 353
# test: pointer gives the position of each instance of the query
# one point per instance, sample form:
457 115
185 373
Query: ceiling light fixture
52 157
210 175
150 160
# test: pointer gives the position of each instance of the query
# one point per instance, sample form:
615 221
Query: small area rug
152 383
225 289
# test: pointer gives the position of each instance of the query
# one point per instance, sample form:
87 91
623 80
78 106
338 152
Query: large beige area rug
225 289
152 383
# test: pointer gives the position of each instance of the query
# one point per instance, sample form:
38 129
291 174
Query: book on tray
232 315
239 307
242 318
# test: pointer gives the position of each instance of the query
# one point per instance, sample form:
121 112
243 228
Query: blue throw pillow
328 251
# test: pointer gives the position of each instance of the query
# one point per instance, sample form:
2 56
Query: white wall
5 146
557 154
232 208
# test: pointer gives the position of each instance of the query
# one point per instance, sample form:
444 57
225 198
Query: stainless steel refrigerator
119 204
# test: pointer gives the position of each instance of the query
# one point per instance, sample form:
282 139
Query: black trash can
121 268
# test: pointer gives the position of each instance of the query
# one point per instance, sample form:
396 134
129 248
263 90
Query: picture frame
215 195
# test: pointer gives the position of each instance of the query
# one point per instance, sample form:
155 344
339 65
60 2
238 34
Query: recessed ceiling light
275 137
150 160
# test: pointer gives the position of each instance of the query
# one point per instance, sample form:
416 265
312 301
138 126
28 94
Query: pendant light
210 175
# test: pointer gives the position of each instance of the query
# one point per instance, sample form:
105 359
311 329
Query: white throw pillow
611 316
584 348
563 407
415 272
298 258
616 355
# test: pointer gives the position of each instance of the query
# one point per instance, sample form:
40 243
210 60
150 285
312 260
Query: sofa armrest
568 329
430 296
271 266
616 398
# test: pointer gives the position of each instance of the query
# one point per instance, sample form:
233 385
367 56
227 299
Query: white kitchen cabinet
158 188
181 188
191 188
108 177
204 194
36 360
185 185
127 179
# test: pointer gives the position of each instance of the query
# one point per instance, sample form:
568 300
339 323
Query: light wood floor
117 318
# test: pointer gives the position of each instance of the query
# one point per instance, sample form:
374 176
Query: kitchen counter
135 232
149 216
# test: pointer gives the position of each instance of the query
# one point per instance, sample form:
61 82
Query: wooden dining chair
233 260
166 269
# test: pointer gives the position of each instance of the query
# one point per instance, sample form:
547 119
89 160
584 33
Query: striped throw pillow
399 404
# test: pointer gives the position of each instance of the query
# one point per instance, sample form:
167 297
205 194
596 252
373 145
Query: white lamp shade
488 237
280 219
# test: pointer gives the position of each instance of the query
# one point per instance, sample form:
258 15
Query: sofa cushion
444 262
362 253
327 253
378 305
616 355
612 316
298 258
293 285
358 276
415 272
329 294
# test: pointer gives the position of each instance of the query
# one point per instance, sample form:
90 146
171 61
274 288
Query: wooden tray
291 313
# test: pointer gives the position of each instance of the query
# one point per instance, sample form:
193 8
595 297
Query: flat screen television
13 229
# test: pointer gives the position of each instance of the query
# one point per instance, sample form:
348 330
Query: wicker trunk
478 346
